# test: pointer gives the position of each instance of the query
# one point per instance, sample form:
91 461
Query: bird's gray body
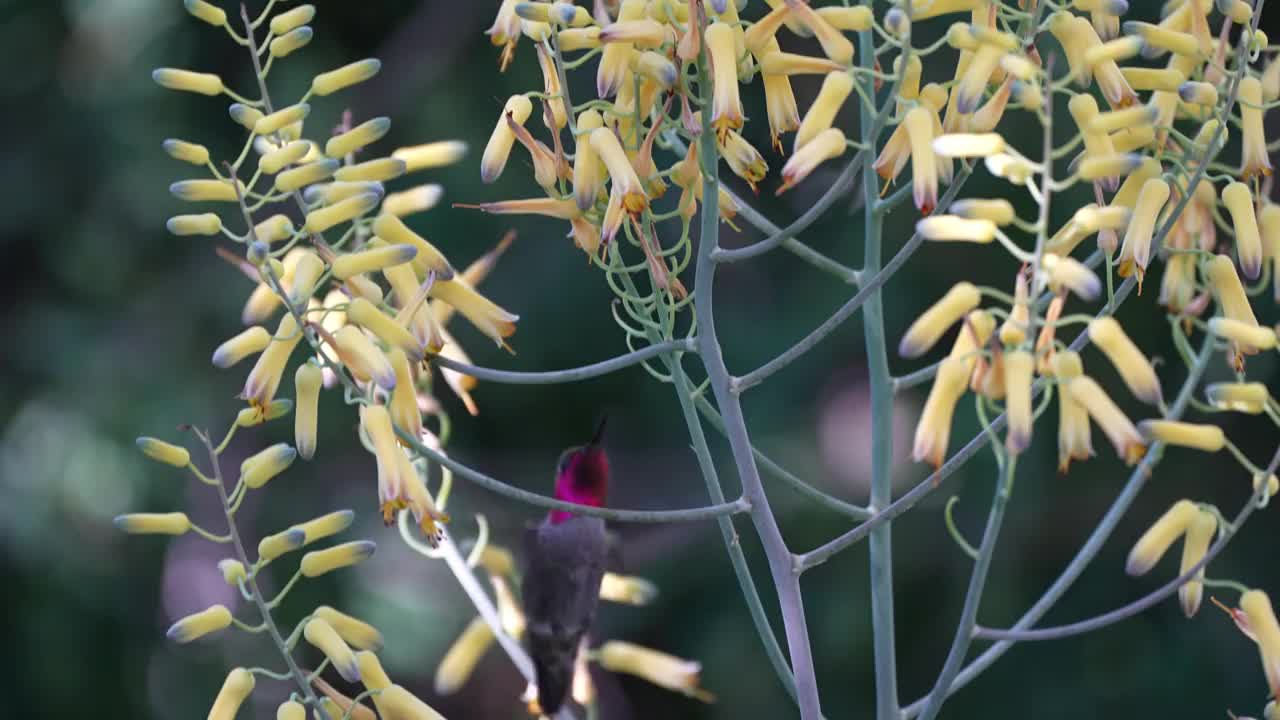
560 589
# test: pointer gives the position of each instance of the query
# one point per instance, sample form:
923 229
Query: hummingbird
564 560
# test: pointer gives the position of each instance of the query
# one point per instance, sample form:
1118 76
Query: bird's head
582 475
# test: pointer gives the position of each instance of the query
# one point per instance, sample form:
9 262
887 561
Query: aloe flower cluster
1130 174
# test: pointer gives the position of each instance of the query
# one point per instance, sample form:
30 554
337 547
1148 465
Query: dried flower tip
498 149
463 656
319 562
953 228
346 210
414 200
1100 167
1266 633
324 638
356 632
297 17
1160 536
929 327
153 523
1138 373
1069 273
427 260
300 177
205 190
188 81
260 387
627 589
827 145
164 452
1255 337
1250 398
186 151
371 260
235 690
1234 302
1118 428
256 415
401 703
656 667
363 358
345 76
259 468
207 621
1209 438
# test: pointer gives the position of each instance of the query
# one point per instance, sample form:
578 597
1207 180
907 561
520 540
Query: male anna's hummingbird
564 558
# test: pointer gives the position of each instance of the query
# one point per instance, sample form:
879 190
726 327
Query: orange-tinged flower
1135 251
828 145
1265 631
924 167
836 87
743 158
726 107
1118 428
264 379
1254 158
484 314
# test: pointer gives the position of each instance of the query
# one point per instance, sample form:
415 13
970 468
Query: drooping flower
1157 540
1118 428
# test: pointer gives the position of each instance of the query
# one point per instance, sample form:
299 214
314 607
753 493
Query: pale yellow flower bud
307 382
175 523
276 160
371 260
325 526
572 39
1014 329
188 81
401 703
207 12
1194 546
377 170
998 211
1239 201
1071 274
1255 160
828 145
848 19
627 589
935 321
463 656
287 44
244 115
431 155
1162 79
1209 438
1019 366
233 572
952 228
836 87
186 152
1074 440
1118 428
834 45
498 149
207 621
1266 633
340 212
1100 167
1250 398
356 632
484 314
363 313
205 190
642 33
363 358
324 638
411 201
260 387
1135 252
656 667
345 76
404 399
1232 299
924 163
299 177
1255 337
164 452
295 18
272 123
306 276
1138 373
259 468
925 9
235 690
366 133
968 145
1273 484
1160 536
291 710
933 432
320 562
1014 169
428 260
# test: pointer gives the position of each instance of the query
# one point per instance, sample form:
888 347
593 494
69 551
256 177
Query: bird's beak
599 434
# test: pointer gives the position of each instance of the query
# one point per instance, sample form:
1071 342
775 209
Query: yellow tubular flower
233 572
371 260
235 690
365 361
355 632
427 260
933 432
985 60
1234 302
258 469
414 200
1019 366
291 710
835 45
484 314
848 19
322 219
1135 252
1118 428
760 37
1105 71
404 399
952 228
968 145
363 313
276 160
273 546
1071 274
251 416
463 656
188 81
319 562
828 145
498 149
299 177
430 155
656 667
615 61
623 175
626 589
1164 79
1239 201
1104 168
1198 93
366 133
401 703
785 63
726 107
1163 39
325 526
378 170
307 383
1074 438
1155 542
1255 337
153 523
1130 117
164 452
270 124
290 42
822 112
295 18
924 167
1254 158
1120 49
974 333
1266 633
207 621
1208 438
306 275
1013 331
998 211
345 76
186 152
203 224
643 33
324 638
261 384
929 327
1138 373
551 86
1248 398
1084 110
588 172
206 190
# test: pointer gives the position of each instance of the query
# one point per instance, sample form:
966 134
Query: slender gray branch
553 377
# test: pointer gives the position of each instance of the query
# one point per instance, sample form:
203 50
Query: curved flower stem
787 583
585 372
977 582
1123 613
880 383
869 288
789 243
255 592
828 501
1137 479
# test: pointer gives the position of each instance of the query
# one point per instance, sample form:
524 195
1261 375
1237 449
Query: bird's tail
553 661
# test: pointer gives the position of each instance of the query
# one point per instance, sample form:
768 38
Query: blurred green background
109 323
